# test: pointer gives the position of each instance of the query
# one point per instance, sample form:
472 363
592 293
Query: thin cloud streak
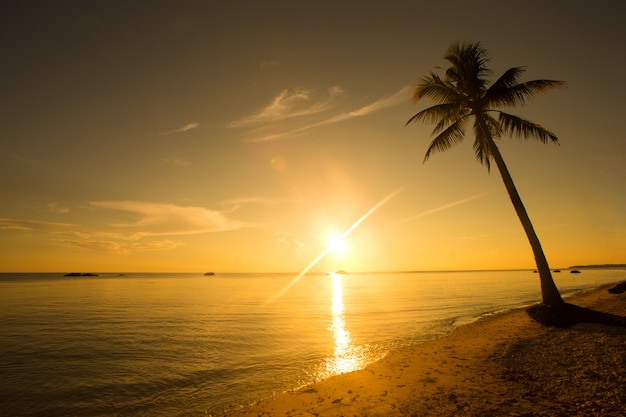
151 221
288 104
168 219
291 244
234 204
56 207
390 101
398 97
120 248
32 226
185 128
24 160
264 65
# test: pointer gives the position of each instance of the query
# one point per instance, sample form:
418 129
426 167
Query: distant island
601 266
80 274
209 274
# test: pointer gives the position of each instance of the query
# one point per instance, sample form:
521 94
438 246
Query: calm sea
191 345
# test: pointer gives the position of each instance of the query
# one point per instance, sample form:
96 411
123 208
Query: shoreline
505 364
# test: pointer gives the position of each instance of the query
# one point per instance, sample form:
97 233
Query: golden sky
240 136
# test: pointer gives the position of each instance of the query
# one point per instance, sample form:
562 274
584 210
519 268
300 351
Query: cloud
185 128
235 204
120 248
24 160
267 65
33 226
288 104
393 100
166 244
399 97
101 246
291 245
149 223
56 207
156 219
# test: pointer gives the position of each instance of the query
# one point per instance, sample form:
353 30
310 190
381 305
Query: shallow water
186 345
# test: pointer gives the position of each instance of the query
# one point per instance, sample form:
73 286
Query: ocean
166 344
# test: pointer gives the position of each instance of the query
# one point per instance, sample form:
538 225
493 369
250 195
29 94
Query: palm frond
445 113
468 71
456 113
481 153
467 55
494 126
482 133
509 79
500 91
434 88
453 135
517 94
517 126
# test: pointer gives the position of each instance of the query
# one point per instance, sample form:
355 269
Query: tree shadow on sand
569 314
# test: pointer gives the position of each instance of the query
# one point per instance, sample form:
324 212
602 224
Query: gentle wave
186 345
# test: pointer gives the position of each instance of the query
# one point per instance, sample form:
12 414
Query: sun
337 244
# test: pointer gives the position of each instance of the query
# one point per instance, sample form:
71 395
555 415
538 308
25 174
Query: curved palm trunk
549 292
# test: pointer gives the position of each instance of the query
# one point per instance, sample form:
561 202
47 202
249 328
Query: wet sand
506 365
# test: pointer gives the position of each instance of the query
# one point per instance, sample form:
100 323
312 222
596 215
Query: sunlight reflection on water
164 345
347 357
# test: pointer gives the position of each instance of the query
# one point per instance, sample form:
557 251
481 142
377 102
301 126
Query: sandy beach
505 365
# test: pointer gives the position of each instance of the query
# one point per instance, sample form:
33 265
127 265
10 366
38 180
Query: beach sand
505 365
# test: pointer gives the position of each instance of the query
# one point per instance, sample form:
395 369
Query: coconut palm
462 95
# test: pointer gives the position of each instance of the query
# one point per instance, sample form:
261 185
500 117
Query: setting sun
337 244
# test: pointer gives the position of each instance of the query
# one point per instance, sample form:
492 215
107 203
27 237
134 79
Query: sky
241 136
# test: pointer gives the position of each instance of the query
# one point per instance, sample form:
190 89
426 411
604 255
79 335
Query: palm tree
463 94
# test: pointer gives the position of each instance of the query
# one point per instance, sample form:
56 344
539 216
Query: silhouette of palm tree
463 94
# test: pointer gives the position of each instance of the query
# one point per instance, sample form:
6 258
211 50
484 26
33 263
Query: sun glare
337 244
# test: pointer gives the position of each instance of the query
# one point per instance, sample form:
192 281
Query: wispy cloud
235 204
120 248
56 207
149 224
185 128
264 65
33 226
399 97
102 246
156 219
288 104
23 159
291 245
392 100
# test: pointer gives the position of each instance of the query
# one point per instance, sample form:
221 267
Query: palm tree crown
463 94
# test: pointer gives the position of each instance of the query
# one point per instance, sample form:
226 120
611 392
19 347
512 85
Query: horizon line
608 265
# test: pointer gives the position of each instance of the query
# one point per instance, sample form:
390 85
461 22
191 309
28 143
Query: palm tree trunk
549 292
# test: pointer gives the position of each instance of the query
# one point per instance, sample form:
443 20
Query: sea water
192 345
